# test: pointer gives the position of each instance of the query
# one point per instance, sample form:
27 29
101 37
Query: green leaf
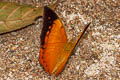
15 16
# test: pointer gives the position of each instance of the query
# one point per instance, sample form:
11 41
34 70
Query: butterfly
55 48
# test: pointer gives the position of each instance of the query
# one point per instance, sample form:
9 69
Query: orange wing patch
55 49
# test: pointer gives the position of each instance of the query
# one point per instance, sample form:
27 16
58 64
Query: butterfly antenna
81 34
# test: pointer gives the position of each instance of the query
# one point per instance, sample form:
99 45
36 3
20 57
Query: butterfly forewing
53 39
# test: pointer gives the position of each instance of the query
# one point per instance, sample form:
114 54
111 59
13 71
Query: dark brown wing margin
49 17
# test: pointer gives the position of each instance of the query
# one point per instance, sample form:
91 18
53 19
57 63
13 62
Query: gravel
96 57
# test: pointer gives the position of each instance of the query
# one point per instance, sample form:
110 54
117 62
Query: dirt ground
96 57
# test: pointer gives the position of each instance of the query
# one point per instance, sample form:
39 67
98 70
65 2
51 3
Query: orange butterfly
55 48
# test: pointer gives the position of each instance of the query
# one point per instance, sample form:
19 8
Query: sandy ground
96 57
